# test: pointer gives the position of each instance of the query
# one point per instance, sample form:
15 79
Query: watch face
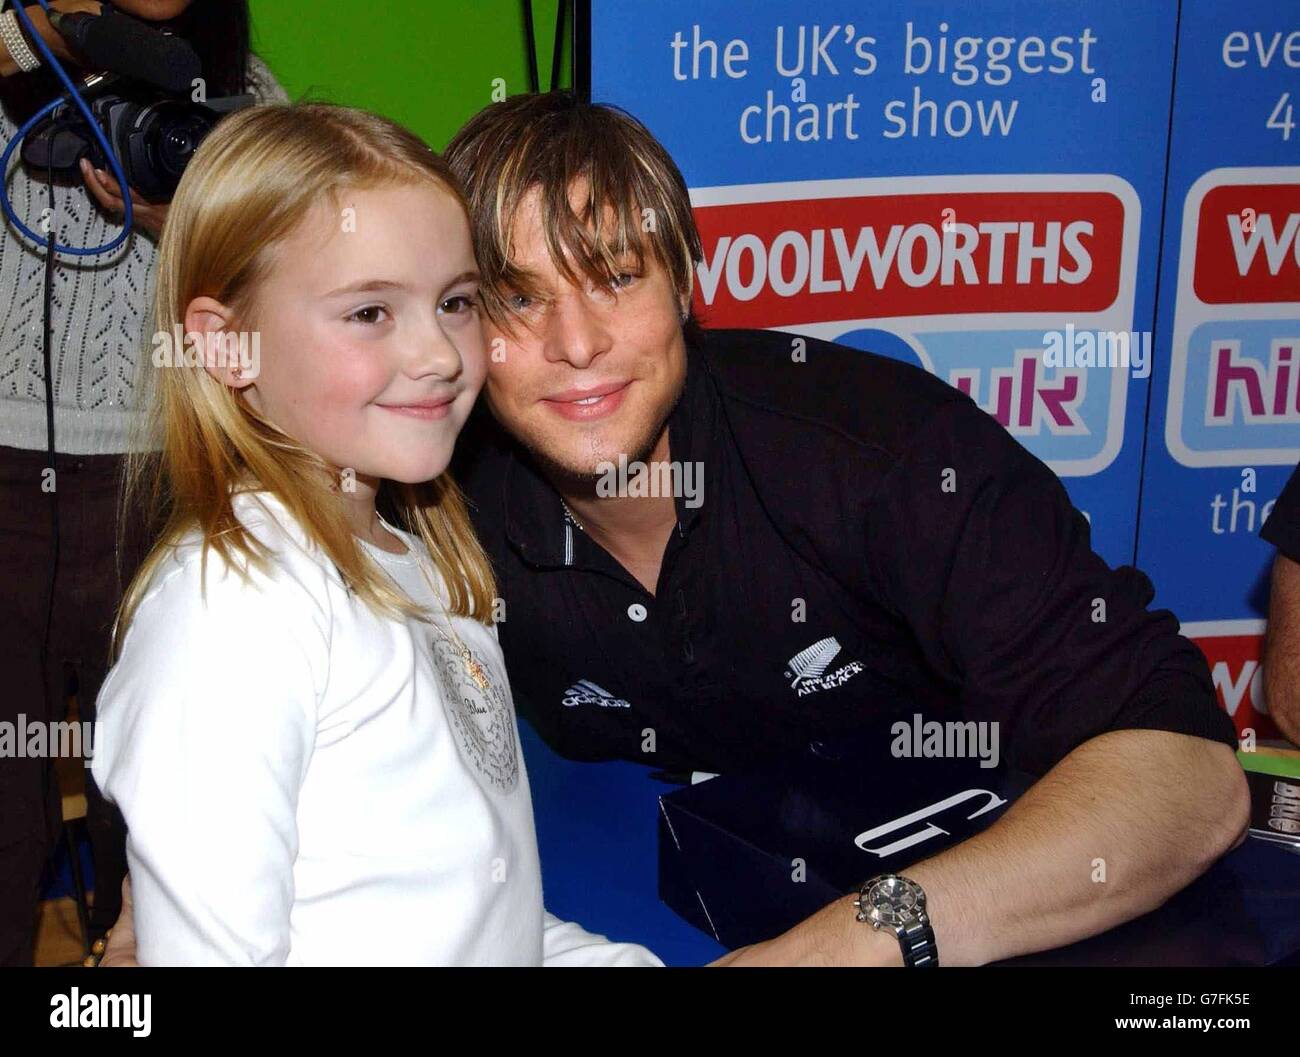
893 900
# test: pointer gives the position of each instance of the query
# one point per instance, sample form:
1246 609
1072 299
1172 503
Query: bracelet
97 950
15 42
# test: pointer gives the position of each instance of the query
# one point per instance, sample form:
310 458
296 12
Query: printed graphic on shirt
482 720
585 692
807 668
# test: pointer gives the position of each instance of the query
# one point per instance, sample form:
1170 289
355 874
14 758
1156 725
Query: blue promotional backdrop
981 189
949 183
1224 433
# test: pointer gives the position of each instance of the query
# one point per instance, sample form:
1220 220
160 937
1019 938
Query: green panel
1283 766
429 64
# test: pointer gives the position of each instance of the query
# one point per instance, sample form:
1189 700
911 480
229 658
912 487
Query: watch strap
917 940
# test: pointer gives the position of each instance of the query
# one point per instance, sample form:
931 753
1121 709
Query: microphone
125 46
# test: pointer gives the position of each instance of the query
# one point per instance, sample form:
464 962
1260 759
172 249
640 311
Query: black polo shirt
871 544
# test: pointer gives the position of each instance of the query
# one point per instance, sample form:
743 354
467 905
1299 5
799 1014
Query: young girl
308 726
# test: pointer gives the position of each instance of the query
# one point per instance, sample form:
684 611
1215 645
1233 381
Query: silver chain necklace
571 517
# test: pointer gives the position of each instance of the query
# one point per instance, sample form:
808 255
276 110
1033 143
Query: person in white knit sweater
99 325
308 727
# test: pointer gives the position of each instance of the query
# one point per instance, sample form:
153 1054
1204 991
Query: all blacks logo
482 720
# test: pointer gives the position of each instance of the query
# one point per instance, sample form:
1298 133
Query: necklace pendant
474 669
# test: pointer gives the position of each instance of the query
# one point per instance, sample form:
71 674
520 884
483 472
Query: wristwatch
891 901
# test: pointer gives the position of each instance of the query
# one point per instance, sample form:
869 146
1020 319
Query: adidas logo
585 692
807 668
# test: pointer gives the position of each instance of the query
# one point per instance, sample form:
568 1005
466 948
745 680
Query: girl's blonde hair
252 181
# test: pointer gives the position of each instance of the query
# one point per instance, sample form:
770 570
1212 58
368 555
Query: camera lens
178 139
178 142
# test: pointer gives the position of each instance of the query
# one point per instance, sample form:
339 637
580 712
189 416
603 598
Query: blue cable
5 204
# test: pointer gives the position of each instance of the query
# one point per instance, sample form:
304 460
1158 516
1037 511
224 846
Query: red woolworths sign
1233 649
809 259
1248 244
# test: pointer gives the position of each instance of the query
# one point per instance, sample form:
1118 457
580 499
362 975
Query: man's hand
832 936
105 190
121 937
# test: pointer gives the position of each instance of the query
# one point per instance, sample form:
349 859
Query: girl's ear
208 326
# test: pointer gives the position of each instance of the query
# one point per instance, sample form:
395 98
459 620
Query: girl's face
372 350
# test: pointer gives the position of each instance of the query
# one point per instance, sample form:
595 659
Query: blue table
597 829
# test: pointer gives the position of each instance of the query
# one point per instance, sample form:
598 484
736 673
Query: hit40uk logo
1017 289
1234 386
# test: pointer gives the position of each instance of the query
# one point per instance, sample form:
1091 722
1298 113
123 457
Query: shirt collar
534 515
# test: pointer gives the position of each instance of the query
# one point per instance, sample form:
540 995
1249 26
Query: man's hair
549 141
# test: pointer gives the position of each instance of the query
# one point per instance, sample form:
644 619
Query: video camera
149 101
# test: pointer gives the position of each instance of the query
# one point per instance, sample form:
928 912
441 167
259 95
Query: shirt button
636 611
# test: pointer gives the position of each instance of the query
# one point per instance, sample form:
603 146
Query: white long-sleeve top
306 782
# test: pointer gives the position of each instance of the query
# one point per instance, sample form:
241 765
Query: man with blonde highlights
938 566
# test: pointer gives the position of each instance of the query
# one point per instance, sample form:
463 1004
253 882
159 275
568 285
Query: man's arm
974 543
1282 644
1111 832
1282 648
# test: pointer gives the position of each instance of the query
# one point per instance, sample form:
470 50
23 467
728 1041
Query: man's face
589 372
